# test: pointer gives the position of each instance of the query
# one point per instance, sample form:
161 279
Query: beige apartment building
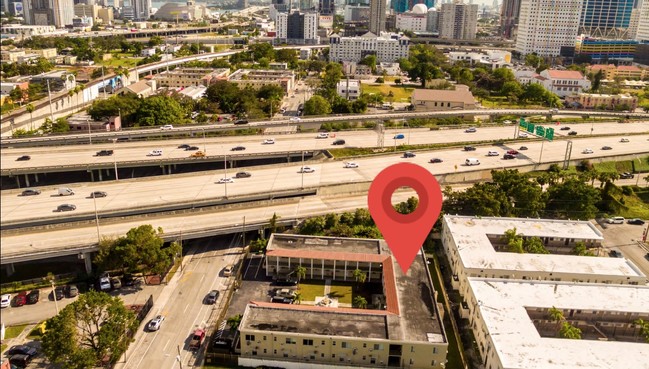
610 71
256 78
398 328
185 77
604 101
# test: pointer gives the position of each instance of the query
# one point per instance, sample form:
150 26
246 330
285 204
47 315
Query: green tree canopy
88 330
572 199
317 105
423 63
126 105
159 110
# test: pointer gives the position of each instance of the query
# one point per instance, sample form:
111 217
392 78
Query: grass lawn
401 94
121 60
342 291
309 290
35 334
14 331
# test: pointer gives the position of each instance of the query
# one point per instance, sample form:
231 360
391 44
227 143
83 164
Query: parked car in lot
97 194
20 361
66 207
281 300
435 160
24 158
469 148
73 291
20 299
306 170
104 283
104 153
33 296
615 220
238 148
615 254
59 292
269 141
226 180
212 297
30 192
409 154
287 281
5 300
338 142
350 164
22 350
155 323
627 175
243 175
115 283
635 221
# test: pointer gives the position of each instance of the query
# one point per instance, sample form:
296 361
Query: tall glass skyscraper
606 18
402 6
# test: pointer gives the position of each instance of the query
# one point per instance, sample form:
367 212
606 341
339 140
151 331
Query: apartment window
265 351
250 337
290 341
434 350
274 352
307 342
275 339
372 360
432 363
378 346
412 348
412 361
285 355
364 345
254 353
333 343
323 342
333 356
343 345
264 338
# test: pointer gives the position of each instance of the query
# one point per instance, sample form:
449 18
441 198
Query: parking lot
626 238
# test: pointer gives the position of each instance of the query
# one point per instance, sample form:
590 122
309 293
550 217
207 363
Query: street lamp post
541 154
56 304
94 200
225 170
115 160
302 170
89 134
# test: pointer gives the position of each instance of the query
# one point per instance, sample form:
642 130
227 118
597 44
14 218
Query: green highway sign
547 133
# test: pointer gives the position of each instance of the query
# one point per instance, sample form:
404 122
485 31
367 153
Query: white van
472 161
65 191
616 220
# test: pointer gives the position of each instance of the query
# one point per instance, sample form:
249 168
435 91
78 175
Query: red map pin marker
405 233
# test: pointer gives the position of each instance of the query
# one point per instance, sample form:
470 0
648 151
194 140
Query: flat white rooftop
518 344
477 252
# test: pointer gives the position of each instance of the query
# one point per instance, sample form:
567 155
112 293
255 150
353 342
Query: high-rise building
58 13
606 18
546 25
306 5
243 4
401 6
458 21
377 16
643 23
509 17
136 9
326 7
297 28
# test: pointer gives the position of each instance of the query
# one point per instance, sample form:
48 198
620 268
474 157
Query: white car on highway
587 151
306 170
269 141
493 153
522 135
226 180
5 300
167 127
295 119
156 322
157 152
351 164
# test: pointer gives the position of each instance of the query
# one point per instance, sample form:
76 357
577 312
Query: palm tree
300 272
297 298
556 314
359 302
569 331
30 109
234 321
360 277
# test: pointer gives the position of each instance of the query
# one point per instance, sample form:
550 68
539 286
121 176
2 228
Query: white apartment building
643 23
546 25
458 21
349 89
23 31
507 296
297 28
415 21
388 48
490 58
564 82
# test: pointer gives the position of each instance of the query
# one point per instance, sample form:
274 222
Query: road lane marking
166 344
185 308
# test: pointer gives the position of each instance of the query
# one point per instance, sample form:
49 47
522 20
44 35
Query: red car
20 299
197 339
512 152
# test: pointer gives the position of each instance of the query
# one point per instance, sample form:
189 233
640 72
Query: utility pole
49 96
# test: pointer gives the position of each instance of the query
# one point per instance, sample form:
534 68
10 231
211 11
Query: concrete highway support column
92 175
11 269
27 180
163 169
100 177
88 261
36 177
18 181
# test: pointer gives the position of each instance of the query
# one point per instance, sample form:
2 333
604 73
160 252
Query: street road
188 188
128 151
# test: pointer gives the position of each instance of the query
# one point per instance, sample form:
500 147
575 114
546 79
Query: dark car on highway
572 133
409 154
104 153
212 297
66 207
607 148
509 156
523 148
469 148
97 194
243 175
635 221
435 160
241 121
565 128
183 146
191 148
31 192
238 148
23 158
339 142
626 175
33 296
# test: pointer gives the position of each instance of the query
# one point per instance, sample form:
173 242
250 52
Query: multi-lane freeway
82 155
